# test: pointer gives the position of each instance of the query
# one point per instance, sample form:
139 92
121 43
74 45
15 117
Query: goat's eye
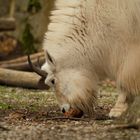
53 81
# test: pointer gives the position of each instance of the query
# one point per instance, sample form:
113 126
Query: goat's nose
63 110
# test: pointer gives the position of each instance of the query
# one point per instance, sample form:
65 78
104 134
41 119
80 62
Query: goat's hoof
115 113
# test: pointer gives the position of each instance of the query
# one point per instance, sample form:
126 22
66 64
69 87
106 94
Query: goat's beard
85 102
78 89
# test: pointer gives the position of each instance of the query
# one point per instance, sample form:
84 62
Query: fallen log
7 24
21 79
23 58
24 66
22 62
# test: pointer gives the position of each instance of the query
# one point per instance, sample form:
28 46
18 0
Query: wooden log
21 79
23 58
24 66
22 62
7 24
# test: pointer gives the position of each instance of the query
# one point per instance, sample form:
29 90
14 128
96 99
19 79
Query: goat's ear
50 59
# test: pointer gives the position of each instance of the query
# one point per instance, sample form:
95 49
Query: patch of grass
5 106
24 99
35 100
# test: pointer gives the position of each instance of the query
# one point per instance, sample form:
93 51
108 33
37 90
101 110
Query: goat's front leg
123 101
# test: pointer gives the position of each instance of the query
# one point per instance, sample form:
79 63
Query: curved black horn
37 70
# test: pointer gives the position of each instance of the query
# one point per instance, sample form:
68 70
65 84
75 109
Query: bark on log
22 62
24 66
7 24
23 58
21 79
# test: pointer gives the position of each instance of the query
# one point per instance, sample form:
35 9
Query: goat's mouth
73 113
77 105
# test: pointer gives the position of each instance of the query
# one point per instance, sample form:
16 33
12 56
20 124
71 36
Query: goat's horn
37 70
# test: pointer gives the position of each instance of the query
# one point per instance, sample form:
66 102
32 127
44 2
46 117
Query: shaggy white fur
90 40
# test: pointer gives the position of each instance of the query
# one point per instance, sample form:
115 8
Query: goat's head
75 88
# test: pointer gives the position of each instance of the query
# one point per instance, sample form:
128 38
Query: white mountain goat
87 41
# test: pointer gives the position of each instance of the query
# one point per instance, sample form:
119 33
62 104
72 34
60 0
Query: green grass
16 98
5 106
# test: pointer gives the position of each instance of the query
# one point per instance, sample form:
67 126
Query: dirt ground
35 115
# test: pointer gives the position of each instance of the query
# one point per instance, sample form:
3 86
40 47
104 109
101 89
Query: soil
33 114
